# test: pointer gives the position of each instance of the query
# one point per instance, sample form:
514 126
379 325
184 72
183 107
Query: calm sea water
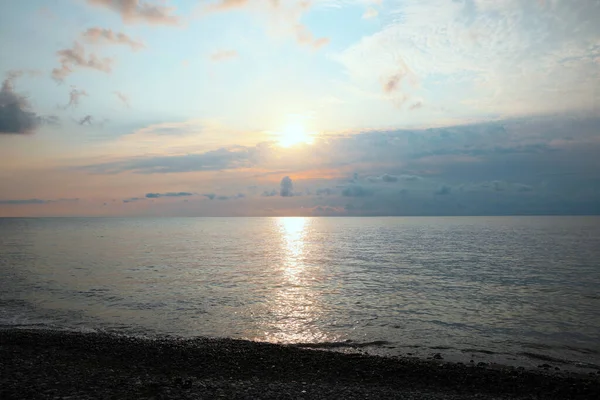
520 289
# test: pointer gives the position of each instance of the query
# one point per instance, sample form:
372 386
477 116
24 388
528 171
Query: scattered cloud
88 119
76 57
224 55
304 36
16 116
139 11
123 98
74 96
103 35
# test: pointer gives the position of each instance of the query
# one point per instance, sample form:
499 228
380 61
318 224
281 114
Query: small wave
347 343
543 357
478 351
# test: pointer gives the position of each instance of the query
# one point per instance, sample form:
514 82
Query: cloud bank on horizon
323 107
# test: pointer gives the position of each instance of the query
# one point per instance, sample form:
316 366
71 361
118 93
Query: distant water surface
511 288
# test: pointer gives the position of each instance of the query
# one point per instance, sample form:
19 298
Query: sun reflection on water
294 308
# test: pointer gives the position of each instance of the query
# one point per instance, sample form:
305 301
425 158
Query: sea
513 290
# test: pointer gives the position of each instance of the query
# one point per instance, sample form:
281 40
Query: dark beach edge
39 364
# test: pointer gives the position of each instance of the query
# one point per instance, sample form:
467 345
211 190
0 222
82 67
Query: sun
294 134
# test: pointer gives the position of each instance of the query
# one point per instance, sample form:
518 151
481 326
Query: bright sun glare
294 134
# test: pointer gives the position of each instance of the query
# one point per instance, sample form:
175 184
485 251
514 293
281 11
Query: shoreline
54 364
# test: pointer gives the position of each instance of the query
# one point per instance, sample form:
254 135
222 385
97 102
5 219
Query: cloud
416 105
283 17
370 13
137 11
287 187
168 194
271 193
16 116
305 37
123 98
88 119
389 178
356 191
328 211
478 57
325 192
215 160
76 57
74 96
100 35
443 190
133 199
224 55
35 201
213 196
226 5
23 202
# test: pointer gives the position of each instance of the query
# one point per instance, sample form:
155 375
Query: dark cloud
88 119
168 194
23 202
389 178
16 116
35 201
133 199
76 57
99 35
356 191
213 196
443 190
287 187
138 11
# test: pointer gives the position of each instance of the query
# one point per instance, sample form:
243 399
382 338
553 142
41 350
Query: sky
299 108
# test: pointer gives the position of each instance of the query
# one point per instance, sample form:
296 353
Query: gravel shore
64 365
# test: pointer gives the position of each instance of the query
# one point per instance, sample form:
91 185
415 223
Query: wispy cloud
224 55
103 35
370 13
124 99
284 18
226 5
77 57
138 11
74 96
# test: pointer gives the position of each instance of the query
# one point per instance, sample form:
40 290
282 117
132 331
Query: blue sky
385 107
